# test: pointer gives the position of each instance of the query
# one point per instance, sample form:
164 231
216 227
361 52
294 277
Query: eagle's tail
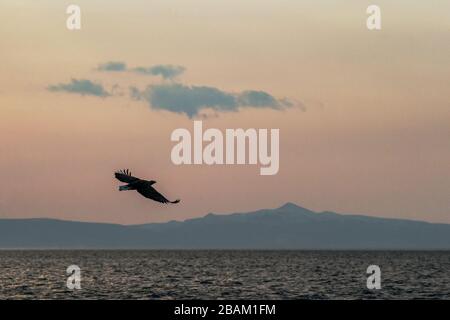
176 201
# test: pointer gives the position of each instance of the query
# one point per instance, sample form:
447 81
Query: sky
364 116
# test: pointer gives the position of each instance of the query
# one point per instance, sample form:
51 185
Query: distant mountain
287 227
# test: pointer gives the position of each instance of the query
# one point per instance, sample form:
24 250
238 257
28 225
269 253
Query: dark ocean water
224 275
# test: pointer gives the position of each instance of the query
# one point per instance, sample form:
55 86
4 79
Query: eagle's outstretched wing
148 191
125 176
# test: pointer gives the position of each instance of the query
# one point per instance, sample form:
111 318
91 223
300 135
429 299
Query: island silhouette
287 227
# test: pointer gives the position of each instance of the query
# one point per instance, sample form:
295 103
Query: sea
222 274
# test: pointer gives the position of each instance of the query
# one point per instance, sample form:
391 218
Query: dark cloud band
112 66
167 71
81 86
191 100
173 96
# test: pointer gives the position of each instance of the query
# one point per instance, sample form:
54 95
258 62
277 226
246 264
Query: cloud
259 99
174 96
191 100
82 86
135 94
165 71
112 66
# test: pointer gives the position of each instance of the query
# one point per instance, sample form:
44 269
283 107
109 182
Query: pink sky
373 137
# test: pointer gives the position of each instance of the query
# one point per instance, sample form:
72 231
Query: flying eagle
144 187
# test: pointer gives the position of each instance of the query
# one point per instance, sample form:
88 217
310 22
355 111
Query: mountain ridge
289 226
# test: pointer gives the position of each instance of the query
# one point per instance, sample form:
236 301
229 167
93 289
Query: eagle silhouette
144 187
